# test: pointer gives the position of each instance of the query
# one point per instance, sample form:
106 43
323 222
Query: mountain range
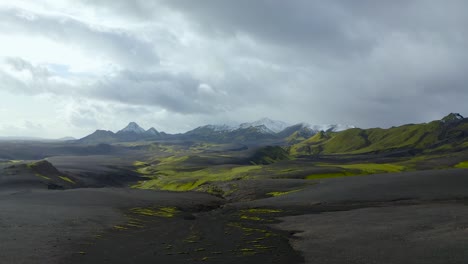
262 130
447 134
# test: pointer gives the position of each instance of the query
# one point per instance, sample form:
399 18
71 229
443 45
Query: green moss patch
276 194
462 165
167 212
67 179
329 175
43 176
172 174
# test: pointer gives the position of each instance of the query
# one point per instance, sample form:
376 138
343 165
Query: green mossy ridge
167 212
295 138
311 145
67 179
429 137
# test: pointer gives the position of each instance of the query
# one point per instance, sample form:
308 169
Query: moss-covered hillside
448 134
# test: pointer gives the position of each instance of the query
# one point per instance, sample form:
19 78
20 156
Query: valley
264 192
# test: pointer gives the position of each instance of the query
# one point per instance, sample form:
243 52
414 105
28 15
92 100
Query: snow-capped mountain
328 127
221 128
262 129
273 125
269 126
132 127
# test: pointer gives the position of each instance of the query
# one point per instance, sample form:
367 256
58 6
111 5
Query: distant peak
452 117
133 127
266 119
152 131
273 125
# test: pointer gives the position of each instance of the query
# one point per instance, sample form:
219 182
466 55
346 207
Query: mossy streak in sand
67 179
257 214
462 165
262 211
357 169
120 228
254 240
167 212
43 176
276 194
330 175
140 164
371 168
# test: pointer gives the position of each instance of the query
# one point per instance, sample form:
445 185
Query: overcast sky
70 67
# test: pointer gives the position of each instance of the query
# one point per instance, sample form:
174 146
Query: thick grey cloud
363 62
179 93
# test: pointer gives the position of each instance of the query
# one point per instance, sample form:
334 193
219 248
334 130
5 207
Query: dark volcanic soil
412 217
219 236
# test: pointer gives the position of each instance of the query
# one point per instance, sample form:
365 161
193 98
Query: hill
447 134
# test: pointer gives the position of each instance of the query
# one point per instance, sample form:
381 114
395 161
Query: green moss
462 165
249 217
254 214
346 141
67 179
372 168
140 164
357 169
329 175
276 194
172 180
166 212
261 211
310 146
43 176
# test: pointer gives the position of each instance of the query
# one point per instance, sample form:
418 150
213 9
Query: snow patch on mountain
132 127
262 129
221 128
273 125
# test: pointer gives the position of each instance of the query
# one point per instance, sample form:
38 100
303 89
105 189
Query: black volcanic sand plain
104 205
